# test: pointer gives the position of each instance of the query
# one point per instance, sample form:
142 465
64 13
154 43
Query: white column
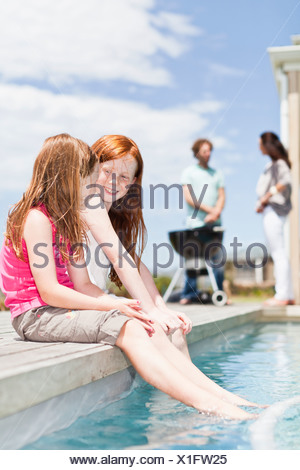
259 273
284 133
284 107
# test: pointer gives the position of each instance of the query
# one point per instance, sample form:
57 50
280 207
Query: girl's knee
131 330
179 339
178 333
159 332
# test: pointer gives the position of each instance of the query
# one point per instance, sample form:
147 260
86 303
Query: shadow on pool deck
32 372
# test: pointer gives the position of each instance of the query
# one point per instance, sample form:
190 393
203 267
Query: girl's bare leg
179 341
152 364
177 353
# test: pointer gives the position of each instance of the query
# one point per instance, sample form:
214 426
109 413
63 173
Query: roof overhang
284 59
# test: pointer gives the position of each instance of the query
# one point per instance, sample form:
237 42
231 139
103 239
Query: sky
162 72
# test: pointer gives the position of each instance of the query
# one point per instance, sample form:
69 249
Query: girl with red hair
118 225
114 217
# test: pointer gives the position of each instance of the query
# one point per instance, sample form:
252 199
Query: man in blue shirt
208 212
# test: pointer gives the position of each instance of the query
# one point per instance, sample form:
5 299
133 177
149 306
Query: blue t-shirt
198 176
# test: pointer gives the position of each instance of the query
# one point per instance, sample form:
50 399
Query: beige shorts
53 324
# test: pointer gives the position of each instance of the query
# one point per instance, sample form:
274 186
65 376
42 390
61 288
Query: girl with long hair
48 290
274 202
114 217
120 189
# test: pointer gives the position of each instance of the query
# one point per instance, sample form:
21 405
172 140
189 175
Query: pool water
260 362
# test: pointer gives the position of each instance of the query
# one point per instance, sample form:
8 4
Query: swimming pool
259 361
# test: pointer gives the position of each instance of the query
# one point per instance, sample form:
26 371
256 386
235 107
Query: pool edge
25 387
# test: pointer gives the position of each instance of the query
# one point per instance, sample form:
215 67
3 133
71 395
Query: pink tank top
17 282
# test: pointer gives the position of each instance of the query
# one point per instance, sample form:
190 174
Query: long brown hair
126 213
63 160
274 147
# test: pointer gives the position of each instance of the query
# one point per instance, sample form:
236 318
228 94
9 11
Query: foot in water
225 410
236 415
243 402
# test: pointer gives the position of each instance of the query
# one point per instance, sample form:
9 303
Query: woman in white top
274 202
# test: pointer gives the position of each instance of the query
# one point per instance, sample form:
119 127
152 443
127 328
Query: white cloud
164 136
61 42
178 24
225 71
222 143
207 106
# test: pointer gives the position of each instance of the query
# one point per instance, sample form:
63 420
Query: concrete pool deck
32 372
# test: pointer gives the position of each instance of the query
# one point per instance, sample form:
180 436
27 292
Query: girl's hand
186 323
131 308
168 319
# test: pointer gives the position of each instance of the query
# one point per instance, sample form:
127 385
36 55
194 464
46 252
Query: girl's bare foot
238 401
260 406
225 410
251 404
240 415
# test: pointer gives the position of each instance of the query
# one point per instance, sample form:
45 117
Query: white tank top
98 265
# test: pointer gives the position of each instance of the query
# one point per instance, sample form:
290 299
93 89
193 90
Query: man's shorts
53 324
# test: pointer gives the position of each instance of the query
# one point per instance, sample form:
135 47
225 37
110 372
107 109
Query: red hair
126 213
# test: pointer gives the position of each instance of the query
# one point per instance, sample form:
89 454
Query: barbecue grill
197 247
